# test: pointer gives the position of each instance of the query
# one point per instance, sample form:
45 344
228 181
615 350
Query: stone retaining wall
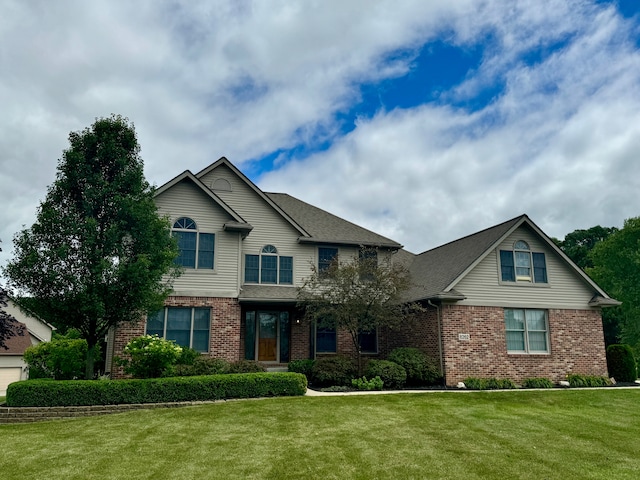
39 414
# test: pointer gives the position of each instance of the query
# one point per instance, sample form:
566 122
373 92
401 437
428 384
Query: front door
267 337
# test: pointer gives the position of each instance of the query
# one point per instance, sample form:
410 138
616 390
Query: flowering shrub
149 356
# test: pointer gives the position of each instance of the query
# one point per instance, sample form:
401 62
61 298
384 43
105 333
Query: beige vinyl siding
187 200
269 227
565 288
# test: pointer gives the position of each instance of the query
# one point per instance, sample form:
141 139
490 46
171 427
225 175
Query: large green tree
359 295
98 254
616 267
578 246
579 243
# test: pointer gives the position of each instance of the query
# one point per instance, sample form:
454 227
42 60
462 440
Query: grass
586 434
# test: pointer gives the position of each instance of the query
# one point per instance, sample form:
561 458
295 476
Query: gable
269 223
565 288
185 199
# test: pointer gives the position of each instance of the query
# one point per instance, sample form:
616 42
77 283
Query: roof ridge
519 217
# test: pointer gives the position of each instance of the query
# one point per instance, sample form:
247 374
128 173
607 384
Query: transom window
189 327
522 265
196 248
269 267
526 330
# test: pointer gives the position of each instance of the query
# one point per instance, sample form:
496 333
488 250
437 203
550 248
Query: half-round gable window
221 184
185 223
270 249
521 245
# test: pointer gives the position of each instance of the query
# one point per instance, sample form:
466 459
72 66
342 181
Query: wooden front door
267 337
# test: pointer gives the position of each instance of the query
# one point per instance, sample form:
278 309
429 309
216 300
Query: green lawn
504 435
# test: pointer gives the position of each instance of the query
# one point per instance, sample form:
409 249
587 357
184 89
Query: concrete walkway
316 393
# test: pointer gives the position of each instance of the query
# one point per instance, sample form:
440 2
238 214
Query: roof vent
221 185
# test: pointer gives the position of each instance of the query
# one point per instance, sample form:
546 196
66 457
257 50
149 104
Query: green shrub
537 383
576 380
52 393
201 366
421 370
375 383
304 367
621 363
333 371
60 359
392 374
188 356
149 356
488 383
246 366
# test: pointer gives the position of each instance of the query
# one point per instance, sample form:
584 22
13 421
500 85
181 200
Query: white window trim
526 351
277 255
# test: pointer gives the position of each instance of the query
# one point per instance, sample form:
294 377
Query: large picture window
189 327
269 267
526 330
522 265
196 248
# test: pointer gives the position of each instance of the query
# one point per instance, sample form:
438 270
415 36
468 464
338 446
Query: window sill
528 353
525 284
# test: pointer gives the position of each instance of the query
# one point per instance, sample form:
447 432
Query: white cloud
243 79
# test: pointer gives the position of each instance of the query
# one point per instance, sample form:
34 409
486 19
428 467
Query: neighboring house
504 302
12 366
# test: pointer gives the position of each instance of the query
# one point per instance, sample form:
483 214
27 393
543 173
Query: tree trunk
91 359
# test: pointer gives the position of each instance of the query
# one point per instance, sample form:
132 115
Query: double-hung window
189 327
196 248
522 265
326 255
268 267
368 341
526 330
326 339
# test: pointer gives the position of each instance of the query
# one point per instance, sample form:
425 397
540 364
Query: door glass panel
284 337
250 336
268 337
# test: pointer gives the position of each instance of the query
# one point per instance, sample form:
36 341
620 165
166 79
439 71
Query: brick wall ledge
41 414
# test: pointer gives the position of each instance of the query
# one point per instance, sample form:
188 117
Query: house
12 365
503 302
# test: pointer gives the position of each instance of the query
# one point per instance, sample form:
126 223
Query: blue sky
423 121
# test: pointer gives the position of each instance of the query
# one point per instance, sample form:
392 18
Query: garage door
8 375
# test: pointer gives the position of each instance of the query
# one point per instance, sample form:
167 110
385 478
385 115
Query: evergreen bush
302 366
246 366
621 363
333 371
475 383
420 368
393 375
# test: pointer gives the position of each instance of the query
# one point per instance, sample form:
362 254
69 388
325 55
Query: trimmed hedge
302 366
53 393
621 363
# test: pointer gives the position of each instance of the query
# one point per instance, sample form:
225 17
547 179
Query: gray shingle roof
435 269
325 227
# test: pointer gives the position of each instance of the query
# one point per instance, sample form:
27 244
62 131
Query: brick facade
224 340
576 345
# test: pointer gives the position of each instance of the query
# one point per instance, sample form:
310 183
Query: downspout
438 317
